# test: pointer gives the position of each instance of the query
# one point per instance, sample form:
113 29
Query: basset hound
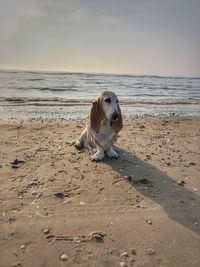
102 127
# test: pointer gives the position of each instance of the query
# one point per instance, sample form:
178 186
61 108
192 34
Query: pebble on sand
149 221
22 247
46 231
181 182
151 251
124 255
123 264
64 257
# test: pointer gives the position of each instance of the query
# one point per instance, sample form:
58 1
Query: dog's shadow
180 204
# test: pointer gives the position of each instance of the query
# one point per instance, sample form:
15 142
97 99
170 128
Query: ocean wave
35 79
73 102
56 89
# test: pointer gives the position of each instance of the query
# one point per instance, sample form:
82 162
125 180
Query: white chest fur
106 136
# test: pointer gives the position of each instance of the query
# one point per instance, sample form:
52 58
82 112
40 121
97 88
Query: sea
66 95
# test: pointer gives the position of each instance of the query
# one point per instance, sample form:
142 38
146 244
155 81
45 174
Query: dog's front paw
97 156
112 154
78 144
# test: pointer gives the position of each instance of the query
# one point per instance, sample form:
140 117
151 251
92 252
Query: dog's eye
107 100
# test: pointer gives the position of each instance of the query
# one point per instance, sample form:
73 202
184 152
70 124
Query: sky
141 37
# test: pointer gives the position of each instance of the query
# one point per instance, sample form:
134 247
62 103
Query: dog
102 127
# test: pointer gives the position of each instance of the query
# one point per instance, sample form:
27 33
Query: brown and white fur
102 126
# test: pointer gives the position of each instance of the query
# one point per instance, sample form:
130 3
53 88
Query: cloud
113 34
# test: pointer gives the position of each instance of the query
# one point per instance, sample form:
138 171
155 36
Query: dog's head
106 107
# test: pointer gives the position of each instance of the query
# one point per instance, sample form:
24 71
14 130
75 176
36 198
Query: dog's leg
99 155
111 153
81 140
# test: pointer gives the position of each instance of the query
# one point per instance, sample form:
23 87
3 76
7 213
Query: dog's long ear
96 115
118 125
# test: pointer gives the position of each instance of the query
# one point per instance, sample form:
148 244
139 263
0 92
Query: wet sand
140 210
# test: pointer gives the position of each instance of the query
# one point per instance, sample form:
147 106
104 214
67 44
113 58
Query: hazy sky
118 36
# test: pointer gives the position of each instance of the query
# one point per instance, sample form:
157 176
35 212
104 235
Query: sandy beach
140 210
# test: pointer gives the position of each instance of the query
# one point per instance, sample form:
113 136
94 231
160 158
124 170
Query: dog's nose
115 116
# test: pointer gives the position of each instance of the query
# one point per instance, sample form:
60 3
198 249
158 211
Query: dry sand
55 201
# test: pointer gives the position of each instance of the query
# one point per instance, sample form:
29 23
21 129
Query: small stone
149 221
126 177
195 224
82 203
168 163
76 239
59 195
22 247
34 193
123 264
151 251
181 182
124 255
46 231
64 257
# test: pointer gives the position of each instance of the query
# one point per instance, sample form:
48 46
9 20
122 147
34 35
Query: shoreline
72 109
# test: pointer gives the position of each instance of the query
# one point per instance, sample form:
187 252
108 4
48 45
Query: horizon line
97 73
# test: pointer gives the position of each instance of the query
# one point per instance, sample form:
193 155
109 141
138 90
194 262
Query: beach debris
133 251
46 231
149 222
17 161
181 182
148 156
15 166
97 236
151 251
192 163
64 257
124 255
59 195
